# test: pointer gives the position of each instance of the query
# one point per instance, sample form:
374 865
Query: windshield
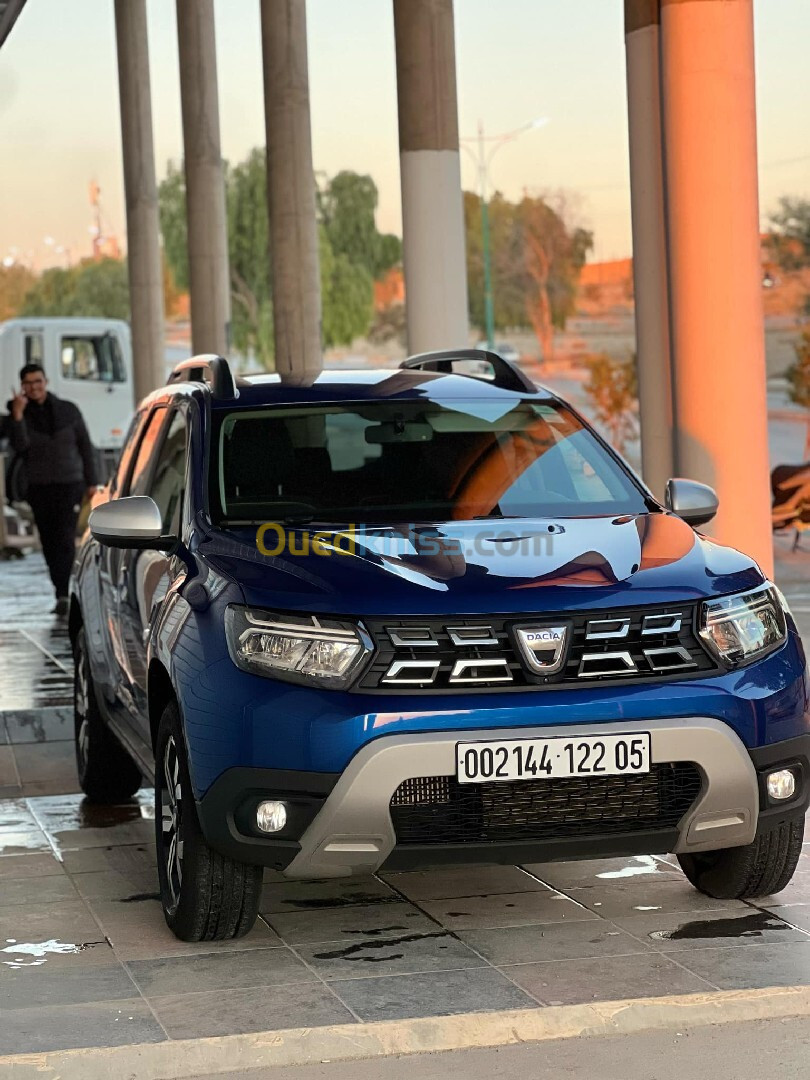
395 461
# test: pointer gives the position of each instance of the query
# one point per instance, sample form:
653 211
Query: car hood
497 566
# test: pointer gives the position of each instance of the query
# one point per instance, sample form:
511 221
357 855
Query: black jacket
53 440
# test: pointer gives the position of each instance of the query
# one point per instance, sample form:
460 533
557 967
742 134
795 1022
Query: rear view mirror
399 431
695 503
133 522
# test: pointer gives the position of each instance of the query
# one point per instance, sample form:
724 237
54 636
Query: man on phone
51 436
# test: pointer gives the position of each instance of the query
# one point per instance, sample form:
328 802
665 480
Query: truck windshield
395 461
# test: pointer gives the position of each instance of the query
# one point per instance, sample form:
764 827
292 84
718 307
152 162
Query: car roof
334 385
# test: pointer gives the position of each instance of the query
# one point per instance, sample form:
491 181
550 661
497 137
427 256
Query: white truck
87 361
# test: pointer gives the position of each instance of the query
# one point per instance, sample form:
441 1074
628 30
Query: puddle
643 864
39 951
16 843
347 900
139 898
351 952
67 813
747 926
647 907
376 933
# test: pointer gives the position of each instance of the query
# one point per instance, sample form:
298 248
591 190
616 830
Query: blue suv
392 619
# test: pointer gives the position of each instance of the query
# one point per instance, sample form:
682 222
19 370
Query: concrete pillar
140 190
430 170
707 58
205 179
642 25
294 257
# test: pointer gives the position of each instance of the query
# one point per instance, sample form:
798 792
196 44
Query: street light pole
483 161
489 305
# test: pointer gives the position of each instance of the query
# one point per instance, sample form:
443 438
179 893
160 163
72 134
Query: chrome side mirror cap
132 522
695 503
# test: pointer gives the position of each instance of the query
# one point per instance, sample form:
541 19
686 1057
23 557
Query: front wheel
206 896
759 869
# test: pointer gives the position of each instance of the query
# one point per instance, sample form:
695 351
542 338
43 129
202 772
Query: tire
759 869
107 774
206 896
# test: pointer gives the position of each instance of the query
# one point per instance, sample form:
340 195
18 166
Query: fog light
271 816
781 784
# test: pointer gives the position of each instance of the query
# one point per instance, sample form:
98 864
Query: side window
139 480
34 349
125 457
169 478
92 358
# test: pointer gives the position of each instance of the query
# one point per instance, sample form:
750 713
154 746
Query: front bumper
341 824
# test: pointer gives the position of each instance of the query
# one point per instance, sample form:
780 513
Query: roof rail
506 375
210 368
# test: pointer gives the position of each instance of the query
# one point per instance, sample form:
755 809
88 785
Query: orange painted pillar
709 115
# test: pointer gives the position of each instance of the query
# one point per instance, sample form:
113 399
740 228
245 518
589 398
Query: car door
146 576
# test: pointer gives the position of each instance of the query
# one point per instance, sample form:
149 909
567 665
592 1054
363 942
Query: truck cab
87 361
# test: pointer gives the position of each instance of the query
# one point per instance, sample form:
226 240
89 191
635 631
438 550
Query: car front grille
490 652
439 810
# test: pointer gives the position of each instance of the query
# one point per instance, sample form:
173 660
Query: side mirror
695 503
133 522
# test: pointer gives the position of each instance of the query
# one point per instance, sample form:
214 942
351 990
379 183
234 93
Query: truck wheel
206 896
107 774
759 869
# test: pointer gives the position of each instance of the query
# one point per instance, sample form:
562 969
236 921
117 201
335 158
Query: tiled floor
86 958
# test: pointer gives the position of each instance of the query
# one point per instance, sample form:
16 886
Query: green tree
536 259
347 296
789 241
612 390
94 288
347 207
15 281
248 252
799 382
173 225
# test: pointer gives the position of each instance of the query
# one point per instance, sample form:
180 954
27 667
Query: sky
517 60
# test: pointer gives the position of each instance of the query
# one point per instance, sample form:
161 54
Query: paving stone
630 898
738 969
93 974
505 909
8 769
41 864
334 892
605 978
66 921
116 857
707 929
138 931
42 890
16 816
52 724
552 941
463 881
219 971
72 821
234 1012
46 768
445 993
435 950
351 922
598 871
27 840
127 887
113 1023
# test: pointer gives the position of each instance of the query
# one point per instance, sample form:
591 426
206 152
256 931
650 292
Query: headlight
298 648
745 626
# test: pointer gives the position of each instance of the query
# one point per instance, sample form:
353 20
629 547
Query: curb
176 1060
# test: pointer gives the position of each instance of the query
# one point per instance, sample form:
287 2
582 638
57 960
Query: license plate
541 759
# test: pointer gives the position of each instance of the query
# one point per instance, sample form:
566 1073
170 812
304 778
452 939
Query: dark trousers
56 511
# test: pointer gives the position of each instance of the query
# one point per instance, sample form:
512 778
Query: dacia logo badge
543 647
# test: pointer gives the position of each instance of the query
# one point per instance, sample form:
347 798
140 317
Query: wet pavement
86 958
